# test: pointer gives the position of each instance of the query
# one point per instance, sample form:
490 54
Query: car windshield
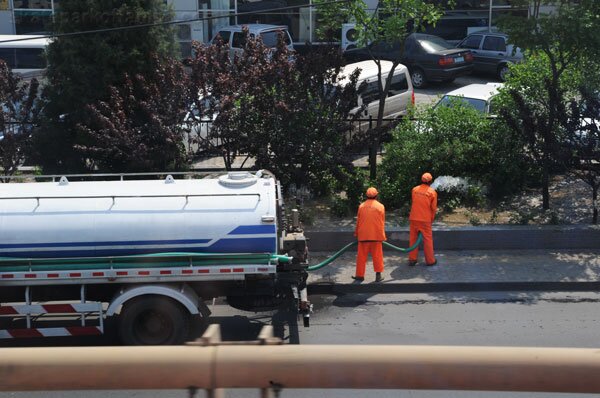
270 38
206 103
450 100
434 44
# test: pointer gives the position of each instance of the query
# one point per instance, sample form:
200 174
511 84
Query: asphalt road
488 318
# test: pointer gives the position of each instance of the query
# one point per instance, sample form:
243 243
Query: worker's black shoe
378 277
358 278
432 264
412 263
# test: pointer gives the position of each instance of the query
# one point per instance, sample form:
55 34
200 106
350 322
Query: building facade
35 16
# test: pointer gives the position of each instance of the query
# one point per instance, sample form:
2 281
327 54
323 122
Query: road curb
452 287
477 238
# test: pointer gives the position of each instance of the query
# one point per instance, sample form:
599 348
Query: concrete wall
477 238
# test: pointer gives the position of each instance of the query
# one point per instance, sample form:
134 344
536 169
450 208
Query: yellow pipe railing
573 370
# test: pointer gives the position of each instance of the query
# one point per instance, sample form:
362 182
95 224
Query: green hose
349 245
175 259
155 260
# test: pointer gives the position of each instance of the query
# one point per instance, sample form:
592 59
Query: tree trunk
373 156
546 165
545 188
375 137
595 204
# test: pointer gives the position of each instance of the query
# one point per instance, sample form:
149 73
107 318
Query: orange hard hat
372 192
426 177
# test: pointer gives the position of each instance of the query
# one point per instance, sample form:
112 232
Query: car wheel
503 72
418 78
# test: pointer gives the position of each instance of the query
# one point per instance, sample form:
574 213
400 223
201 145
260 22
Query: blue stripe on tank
244 245
109 243
253 230
241 245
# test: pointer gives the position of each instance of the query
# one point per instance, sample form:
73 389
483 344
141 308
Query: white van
234 36
400 96
24 54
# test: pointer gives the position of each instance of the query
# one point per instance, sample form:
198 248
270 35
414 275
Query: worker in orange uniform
422 213
370 232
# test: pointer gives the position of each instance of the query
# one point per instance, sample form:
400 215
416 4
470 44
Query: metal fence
357 135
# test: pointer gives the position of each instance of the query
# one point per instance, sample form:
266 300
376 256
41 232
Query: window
398 85
184 32
23 58
371 93
33 4
472 42
30 58
494 43
185 49
223 35
239 41
270 38
410 47
184 38
8 56
434 44
32 22
451 100
222 5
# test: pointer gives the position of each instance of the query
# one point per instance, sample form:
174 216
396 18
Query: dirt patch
570 203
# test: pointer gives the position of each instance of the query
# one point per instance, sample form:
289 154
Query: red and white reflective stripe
50 308
51 332
129 273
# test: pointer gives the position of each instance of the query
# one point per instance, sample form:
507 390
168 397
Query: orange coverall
422 213
370 232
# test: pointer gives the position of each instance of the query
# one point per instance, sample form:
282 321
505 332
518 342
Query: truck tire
153 320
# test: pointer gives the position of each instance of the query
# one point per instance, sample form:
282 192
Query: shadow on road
233 328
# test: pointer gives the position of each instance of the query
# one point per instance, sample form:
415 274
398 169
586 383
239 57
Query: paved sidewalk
476 267
216 163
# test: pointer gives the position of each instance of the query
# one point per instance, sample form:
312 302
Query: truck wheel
153 320
418 78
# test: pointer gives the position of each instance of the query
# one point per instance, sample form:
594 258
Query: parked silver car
491 52
477 96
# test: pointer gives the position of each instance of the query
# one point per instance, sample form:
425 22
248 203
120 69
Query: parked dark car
429 58
491 53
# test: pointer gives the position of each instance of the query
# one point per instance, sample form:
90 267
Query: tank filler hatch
238 179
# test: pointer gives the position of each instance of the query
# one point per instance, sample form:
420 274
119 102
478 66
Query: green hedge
456 141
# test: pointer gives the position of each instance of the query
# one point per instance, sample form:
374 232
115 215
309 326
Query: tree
82 67
224 87
561 39
19 112
308 119
391 23
583 141
139 127
457 141
524 105
287 112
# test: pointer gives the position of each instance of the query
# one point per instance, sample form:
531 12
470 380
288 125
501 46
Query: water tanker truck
144 254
